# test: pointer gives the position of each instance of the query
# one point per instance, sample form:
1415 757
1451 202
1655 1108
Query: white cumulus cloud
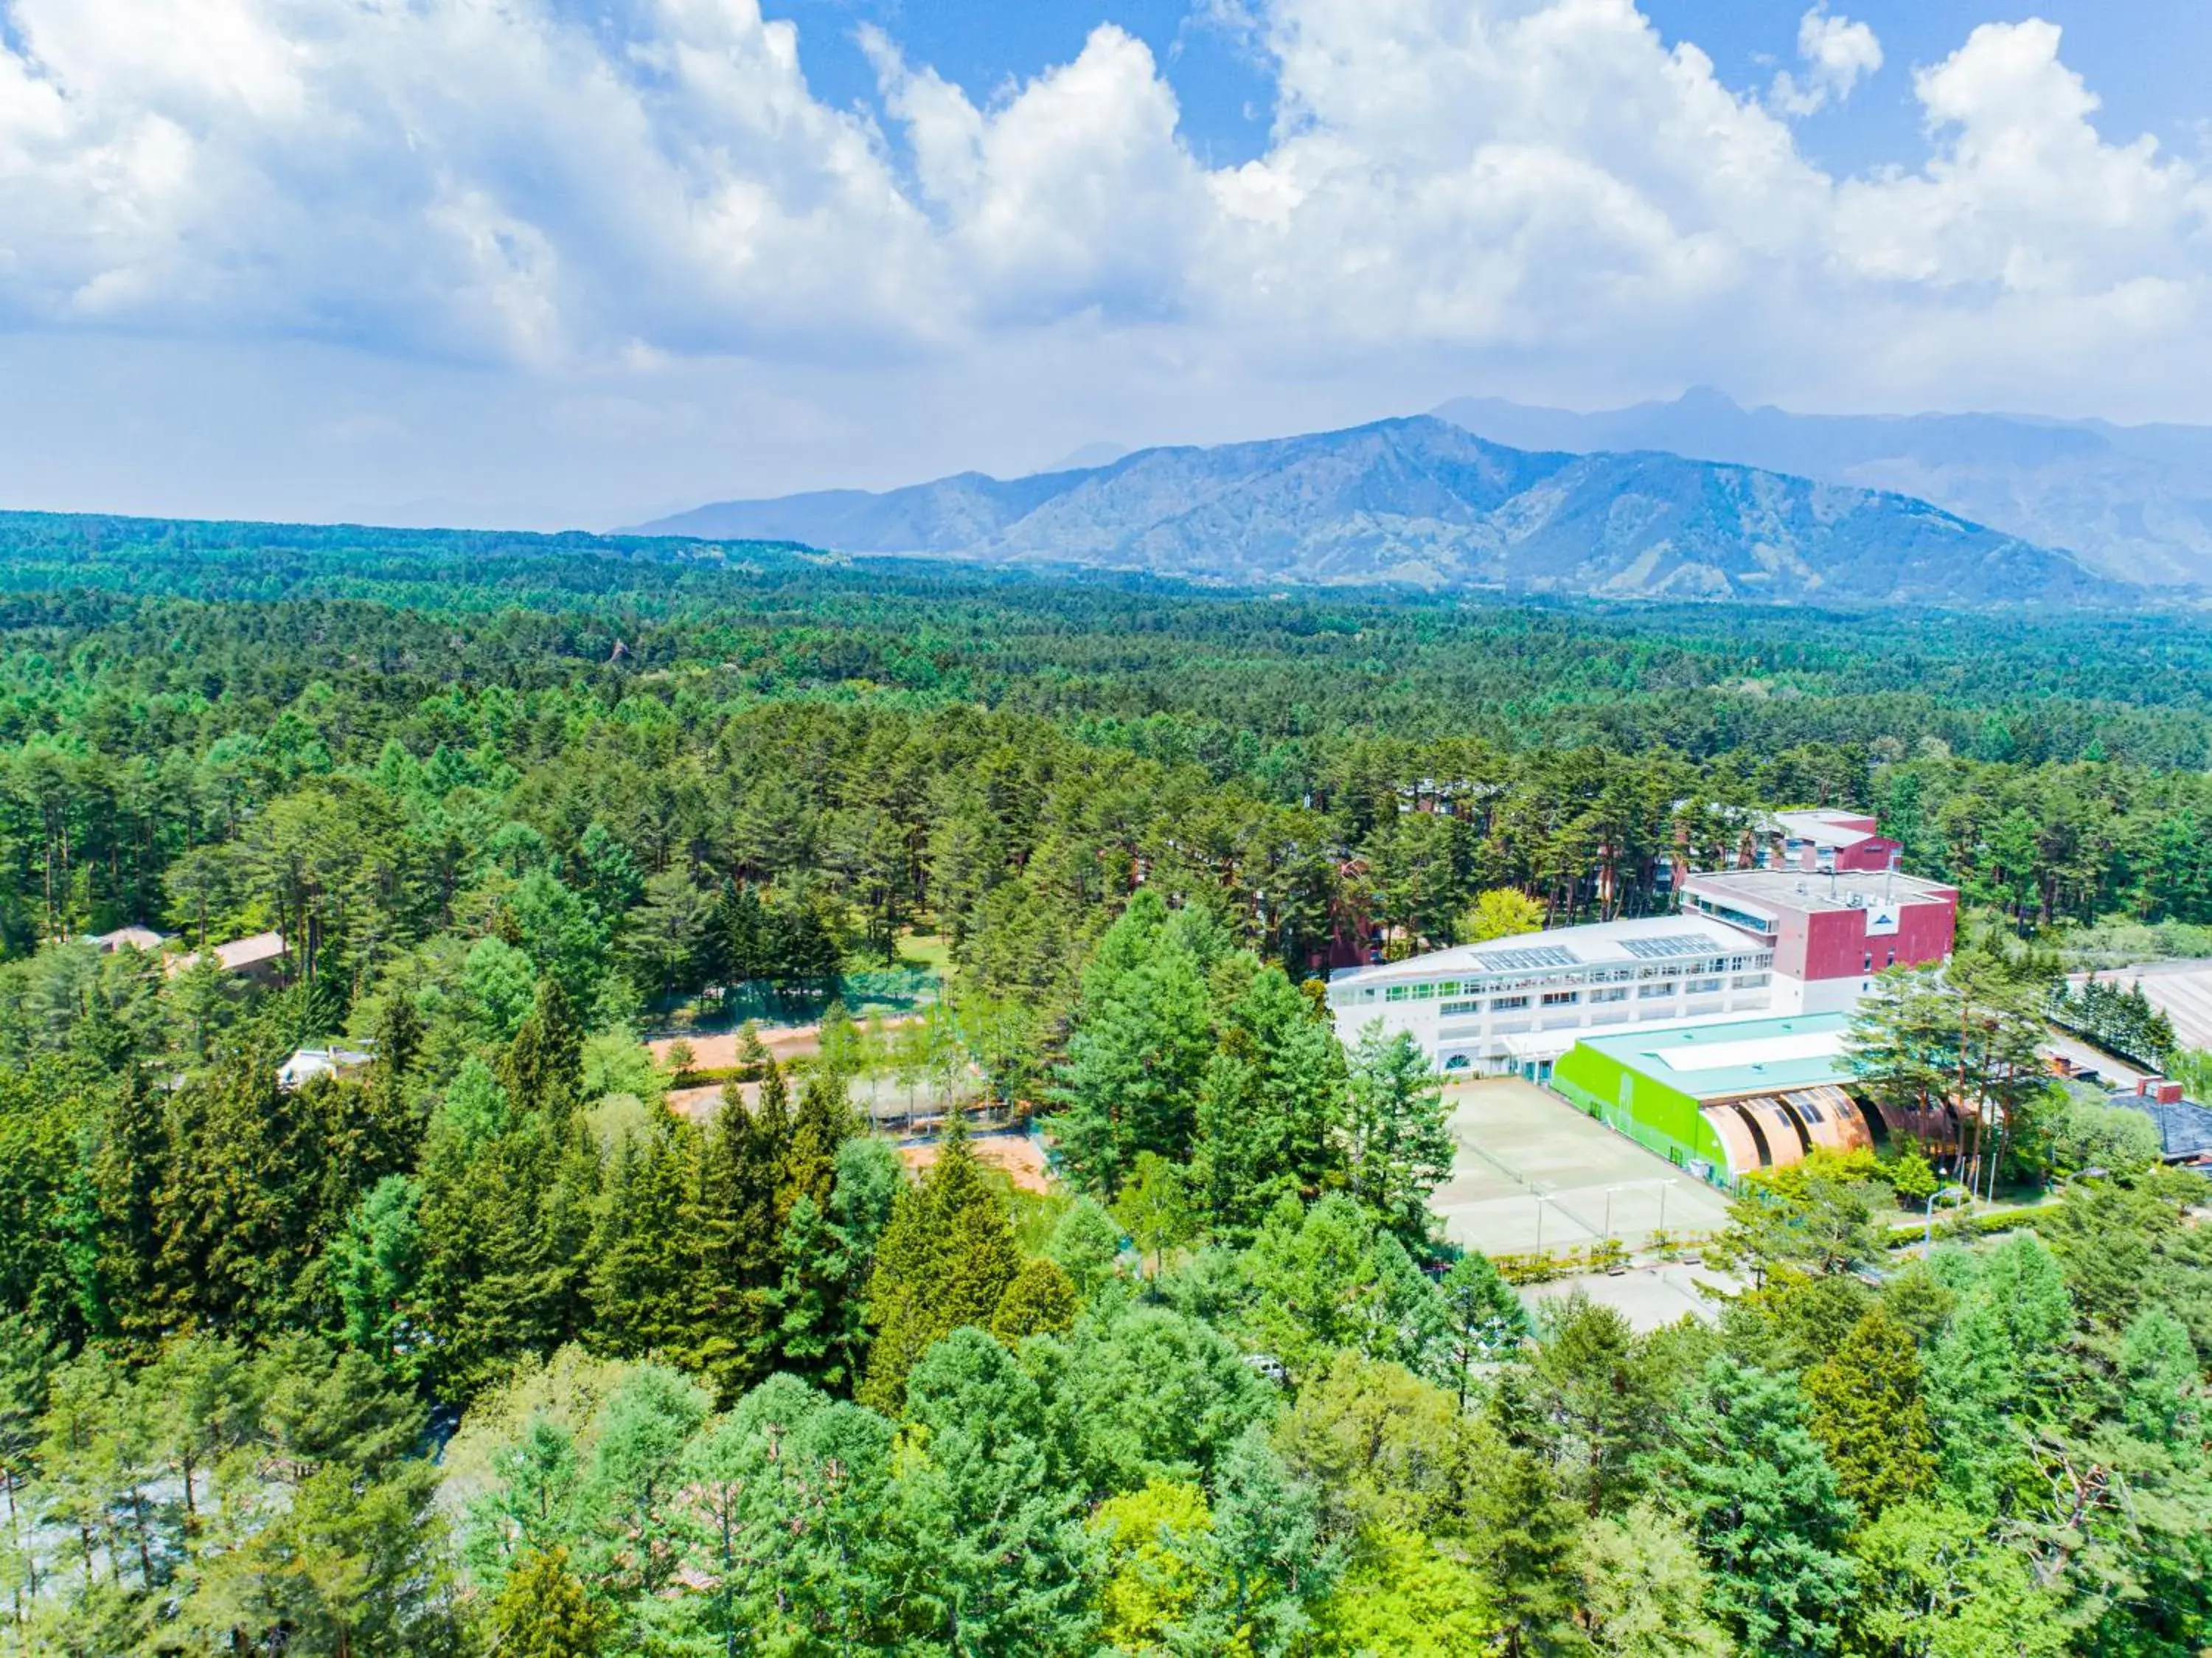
2022 194
1837 53
461 176
1076 193
1547 188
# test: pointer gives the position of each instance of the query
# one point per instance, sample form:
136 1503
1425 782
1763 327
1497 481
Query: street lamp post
1928 1232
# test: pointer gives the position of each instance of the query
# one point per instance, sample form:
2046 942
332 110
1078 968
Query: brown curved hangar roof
1773 1131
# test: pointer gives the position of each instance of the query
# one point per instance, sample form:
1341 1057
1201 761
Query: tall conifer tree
945 1261
544 1063
640 1290
731 1226
824 1122
1867 1410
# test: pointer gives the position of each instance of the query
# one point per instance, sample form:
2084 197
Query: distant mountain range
1425 500
2133 502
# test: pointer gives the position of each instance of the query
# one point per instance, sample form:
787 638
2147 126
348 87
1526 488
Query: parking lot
1533 1173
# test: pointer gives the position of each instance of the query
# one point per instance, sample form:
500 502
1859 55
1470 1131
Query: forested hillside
2131 501
1425 501
486 1346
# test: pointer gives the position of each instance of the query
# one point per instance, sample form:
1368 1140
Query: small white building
1516 1004
129 938
308 1064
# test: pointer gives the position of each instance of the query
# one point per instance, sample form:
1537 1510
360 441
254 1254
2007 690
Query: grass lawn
925 950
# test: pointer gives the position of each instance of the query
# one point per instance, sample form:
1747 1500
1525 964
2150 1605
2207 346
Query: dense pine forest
503 1342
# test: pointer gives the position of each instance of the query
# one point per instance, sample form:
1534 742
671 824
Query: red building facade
1830 932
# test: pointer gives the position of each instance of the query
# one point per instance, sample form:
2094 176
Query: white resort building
1746 943
1516 1004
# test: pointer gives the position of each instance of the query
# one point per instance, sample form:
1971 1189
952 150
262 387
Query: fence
763 1002
1542 1267
1656 1141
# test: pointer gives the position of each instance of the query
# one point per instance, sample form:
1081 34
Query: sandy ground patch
890 1110
699 1103
784 1043
1017 1153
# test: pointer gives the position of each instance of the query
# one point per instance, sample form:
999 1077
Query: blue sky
2148 58
2145 57
545 262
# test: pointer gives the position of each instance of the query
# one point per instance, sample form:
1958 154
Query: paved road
2115 1071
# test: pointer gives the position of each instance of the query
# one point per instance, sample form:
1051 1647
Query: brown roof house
263 958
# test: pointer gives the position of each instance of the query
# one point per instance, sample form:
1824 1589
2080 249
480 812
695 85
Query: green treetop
946 1260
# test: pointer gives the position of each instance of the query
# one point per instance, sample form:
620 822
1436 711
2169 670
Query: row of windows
1736 917
1568 998
1513 1003
1432 988
1609 1016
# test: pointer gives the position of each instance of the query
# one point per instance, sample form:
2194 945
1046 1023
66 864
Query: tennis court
1534 1173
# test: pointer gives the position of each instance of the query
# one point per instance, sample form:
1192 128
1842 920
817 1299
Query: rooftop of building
331 1061
1802 891
1724 1059
248 952
236 956
1592 944
136 937
2185 1128
1828 826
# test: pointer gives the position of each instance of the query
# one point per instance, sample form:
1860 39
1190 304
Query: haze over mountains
1425 500
2133 502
